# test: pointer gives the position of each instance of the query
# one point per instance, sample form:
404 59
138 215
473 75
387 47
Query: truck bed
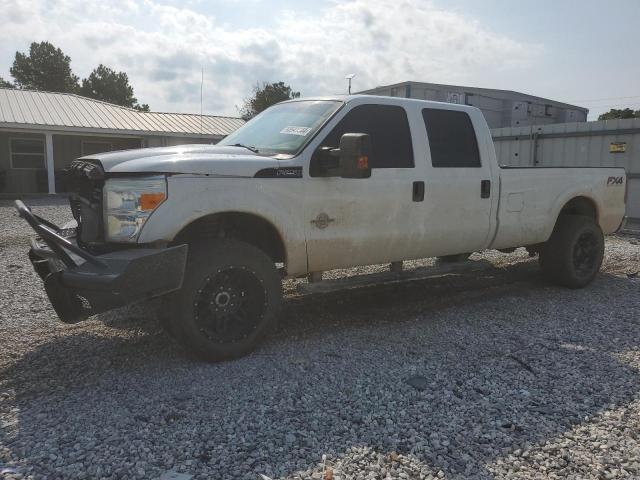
525 207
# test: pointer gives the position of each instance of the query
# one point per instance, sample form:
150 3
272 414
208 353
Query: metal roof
66 111
486 91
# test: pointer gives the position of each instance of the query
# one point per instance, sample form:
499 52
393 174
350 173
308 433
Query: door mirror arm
328 158
351 160
324 163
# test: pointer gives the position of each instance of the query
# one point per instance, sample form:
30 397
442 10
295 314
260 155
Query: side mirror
354 152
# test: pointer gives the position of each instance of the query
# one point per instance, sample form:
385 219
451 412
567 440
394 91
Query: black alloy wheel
230 299
585 254
573 254
230 305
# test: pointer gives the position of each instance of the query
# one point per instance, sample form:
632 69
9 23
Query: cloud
163 48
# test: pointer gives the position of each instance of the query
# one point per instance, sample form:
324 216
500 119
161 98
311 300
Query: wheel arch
580 205
574 204
247 227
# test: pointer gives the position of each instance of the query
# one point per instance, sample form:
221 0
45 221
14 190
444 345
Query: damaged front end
86 179
82 274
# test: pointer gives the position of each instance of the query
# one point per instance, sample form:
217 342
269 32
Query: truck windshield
284 128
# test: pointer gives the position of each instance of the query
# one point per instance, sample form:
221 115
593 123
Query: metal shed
501 108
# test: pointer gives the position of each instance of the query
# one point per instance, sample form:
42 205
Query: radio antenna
350 77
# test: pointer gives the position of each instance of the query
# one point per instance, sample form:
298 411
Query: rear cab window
452 139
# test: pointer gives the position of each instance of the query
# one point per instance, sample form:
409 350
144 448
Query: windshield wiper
248 147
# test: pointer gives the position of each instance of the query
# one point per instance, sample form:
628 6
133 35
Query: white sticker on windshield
302 131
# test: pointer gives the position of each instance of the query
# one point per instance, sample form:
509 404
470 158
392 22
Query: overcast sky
578 51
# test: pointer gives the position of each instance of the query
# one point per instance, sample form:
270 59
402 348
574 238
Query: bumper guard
79 284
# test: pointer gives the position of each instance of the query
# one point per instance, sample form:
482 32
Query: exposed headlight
128 203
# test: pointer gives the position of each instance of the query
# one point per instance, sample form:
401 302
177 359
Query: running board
419 273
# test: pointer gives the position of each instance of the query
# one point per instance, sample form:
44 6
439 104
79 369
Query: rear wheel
230 298
573 255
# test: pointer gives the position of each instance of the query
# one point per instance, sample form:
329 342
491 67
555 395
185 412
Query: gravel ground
486 375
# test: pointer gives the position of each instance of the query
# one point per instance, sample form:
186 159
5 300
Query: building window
548 111
455 97
468 100
91 148
27 153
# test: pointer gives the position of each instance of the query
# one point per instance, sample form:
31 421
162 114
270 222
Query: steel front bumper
80 284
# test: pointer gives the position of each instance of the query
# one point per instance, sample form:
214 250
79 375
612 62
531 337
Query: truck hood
197 159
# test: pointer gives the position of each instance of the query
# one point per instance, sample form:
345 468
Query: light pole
350 77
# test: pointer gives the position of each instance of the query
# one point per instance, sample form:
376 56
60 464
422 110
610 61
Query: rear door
459 188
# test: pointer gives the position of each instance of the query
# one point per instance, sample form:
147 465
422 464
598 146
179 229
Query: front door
368 220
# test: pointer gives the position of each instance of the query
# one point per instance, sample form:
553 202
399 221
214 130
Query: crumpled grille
86 169
86 179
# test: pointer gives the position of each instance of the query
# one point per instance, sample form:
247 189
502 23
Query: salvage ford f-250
307 186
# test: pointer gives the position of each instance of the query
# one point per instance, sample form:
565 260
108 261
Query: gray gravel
516 379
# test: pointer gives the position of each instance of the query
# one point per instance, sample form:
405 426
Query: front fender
192 197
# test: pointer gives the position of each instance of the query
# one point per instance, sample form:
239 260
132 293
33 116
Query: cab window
452 139
388 127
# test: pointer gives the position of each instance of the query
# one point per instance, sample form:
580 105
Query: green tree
44 68
265 95
110 86
5 84
615 113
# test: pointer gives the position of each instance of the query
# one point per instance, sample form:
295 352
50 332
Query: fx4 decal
615 181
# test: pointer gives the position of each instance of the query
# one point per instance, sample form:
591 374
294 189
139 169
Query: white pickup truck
307 186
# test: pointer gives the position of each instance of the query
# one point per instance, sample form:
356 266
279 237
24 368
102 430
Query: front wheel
231 296
573 255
